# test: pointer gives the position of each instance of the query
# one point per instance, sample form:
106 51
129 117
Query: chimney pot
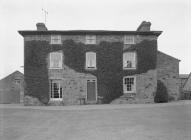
144 26
41 27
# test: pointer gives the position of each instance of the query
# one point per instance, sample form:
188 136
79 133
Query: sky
173 17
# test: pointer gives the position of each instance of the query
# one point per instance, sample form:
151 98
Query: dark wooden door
91 90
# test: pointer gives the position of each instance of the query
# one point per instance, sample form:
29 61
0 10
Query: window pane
90 60
55 89
90 39
51 89
129 85
129 60
128 39
55 60
55 39
60 92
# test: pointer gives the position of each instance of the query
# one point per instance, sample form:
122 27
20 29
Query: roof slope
187 85
6 81
171 57
183 76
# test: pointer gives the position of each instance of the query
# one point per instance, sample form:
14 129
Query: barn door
91 90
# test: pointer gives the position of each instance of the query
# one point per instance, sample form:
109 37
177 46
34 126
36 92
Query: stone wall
81 38
37 38
74 84
146 86
109 73
168 73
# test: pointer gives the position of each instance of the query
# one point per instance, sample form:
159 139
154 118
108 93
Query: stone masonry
73 84
146 85
168 73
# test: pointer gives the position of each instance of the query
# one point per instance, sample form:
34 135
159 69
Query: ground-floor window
129 84
55 90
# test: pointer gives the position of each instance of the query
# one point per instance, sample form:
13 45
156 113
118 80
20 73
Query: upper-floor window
90 60
55 39
129 60
90 39
129 84
129 39
55 60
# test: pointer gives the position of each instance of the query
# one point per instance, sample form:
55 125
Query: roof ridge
16 71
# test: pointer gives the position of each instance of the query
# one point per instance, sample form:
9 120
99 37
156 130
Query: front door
91 90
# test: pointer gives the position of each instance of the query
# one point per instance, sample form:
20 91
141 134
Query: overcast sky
173 17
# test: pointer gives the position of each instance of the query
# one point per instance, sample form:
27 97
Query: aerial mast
45 14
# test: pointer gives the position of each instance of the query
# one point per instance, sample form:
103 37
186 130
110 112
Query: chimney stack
145 26
41 27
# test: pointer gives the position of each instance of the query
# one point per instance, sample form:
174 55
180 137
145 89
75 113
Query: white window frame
125 91
56 39
52 81
90 39
126 41
86 63
134 61
50 65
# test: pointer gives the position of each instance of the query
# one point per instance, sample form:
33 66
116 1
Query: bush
161 94
170 98
32 101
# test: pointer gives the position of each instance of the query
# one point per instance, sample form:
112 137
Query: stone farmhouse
12 88
95 66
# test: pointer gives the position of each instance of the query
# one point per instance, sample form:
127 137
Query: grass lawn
125 122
